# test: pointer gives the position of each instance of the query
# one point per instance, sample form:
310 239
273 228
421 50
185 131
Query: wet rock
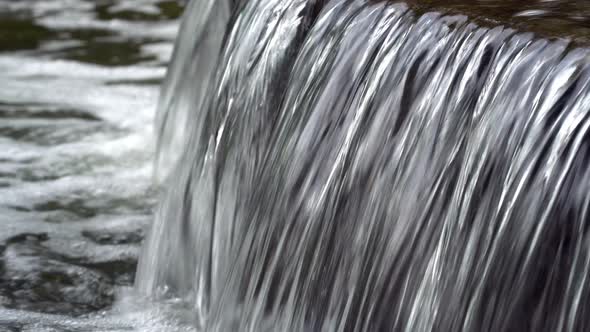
106 237
34 278
121 272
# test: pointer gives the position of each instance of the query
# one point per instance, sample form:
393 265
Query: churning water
351 165
325 165
78 90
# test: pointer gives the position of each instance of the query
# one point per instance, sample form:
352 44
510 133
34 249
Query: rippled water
79 84
550 18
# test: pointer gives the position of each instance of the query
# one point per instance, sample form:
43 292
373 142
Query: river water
79 84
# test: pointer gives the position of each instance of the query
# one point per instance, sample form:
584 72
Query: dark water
549 18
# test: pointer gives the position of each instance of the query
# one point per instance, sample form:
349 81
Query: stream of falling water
349 165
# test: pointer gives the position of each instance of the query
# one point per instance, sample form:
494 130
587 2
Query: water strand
352 166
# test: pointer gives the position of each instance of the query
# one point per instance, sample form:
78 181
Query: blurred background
79 84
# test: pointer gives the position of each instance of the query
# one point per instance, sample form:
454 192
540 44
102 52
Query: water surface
79 83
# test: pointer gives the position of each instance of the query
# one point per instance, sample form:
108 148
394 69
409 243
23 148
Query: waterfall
352 165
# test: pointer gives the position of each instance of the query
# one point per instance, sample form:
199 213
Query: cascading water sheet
349 165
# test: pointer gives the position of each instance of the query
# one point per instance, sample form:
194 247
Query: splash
349 165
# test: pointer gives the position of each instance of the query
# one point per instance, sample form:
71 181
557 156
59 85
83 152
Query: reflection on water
551 18
79 82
